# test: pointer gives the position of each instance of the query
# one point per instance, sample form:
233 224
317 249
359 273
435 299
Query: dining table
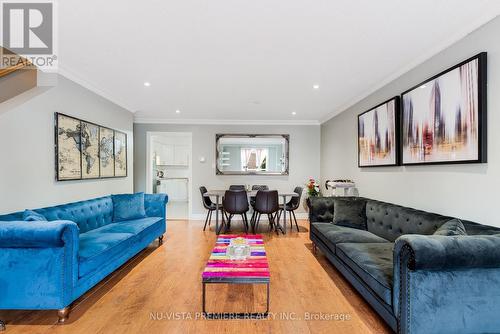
218 194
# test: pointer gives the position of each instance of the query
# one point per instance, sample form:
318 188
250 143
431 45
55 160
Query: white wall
304 156
27 172
465 191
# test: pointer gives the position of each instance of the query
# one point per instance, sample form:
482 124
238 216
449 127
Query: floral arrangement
312 188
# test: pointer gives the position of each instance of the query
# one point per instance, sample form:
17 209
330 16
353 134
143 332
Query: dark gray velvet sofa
417 281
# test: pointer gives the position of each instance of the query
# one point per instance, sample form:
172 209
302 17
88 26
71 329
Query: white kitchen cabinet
181 155
176 189
172 155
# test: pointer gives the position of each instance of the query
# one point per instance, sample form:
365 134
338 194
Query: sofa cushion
332 235
320 209
372 262
97 249
32 216
134 226
128 206
451 228
350 212
100 246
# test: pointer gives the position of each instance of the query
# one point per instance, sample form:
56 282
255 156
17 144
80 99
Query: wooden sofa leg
160 240
63 315
2 326
315 249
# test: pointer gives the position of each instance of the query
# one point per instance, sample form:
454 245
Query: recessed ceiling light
147 84
316 86
294 113
177 111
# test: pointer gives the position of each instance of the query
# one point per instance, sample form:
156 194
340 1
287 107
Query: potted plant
312 190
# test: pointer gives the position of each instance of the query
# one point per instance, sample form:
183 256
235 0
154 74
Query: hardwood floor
159 291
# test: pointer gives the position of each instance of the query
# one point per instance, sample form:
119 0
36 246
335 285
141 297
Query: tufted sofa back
390 221
320 209
88 215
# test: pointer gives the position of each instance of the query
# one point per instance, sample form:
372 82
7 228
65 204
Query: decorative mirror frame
242 135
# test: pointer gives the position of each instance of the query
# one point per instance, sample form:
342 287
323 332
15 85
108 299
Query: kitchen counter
172 178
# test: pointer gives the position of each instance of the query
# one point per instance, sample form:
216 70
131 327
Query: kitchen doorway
169 170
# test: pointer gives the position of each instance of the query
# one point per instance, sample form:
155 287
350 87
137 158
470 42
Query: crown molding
147 120
70 75
476 24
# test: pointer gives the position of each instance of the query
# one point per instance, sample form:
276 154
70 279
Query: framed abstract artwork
444 117
85 150
106 152
120 153
68 141
378 135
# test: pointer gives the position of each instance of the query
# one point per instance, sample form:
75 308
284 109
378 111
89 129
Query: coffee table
221 269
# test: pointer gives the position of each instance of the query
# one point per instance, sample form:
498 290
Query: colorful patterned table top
220 269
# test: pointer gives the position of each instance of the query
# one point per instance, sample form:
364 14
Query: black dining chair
237 187
266 202
235 202
209 205
252 198
291 206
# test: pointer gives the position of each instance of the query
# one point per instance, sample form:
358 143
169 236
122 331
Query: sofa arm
155 204
433 252
21 234
38 264
447 284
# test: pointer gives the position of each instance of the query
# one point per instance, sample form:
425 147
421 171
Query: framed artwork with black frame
378 135
68 148
120 149
106 152
444 117
85 150
90 150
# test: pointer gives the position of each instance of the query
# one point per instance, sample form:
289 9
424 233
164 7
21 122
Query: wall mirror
249 154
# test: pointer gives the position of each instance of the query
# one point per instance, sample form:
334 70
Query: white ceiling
232 60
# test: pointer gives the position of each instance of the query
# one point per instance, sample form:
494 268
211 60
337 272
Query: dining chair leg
223 223
252 222
290 216
228 225
295 218
244 223
278 225
257 221
206 220
276 215
210 218
270 219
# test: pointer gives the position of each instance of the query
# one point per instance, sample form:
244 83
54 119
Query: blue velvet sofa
48 264
422 272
